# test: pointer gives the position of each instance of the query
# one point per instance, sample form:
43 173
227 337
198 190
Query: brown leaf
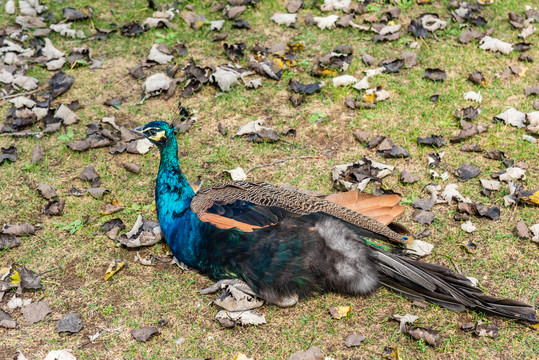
368 59
532 90
19 230
97 193
410 59
70 322
471 147
391 353
478 78
47 191
353 340
134 168
408 178
486 330
521 230
312 353
111 207
144 334
423 216
36 311
8 241
470 34
431 337
37 154
54 208
435 74
361 136
293 6
467 171
88 174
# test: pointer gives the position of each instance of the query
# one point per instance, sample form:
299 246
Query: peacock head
158 132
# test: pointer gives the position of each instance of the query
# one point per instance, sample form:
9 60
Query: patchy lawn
78 252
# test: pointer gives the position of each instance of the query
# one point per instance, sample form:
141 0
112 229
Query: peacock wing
251 205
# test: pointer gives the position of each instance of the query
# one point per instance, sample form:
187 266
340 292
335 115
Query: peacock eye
152 132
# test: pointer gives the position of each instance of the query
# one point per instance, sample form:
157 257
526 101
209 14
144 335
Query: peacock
286 245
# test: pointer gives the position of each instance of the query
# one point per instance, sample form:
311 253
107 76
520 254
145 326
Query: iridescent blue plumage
285 245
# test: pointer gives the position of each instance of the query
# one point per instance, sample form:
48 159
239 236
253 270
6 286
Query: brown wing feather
370 205
294 202
225 223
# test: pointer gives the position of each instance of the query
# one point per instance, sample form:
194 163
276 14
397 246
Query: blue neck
171 179
173 196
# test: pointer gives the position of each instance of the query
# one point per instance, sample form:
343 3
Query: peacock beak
138 130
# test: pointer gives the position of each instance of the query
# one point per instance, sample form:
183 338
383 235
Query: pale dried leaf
490 184
217 25
237 174
468 226
60 355
512 117
50 52
344 80
493 44
535 231
419 248
234 299
284 19
327 22
473 96
330 5
158 56
512 174
143 146
157 83
225 78
68 116
241 317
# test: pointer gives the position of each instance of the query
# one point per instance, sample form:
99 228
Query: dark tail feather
440 285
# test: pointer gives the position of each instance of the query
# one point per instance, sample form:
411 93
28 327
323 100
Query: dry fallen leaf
338 312
312 353
419 248
237 174
285 19
36 312
232 318
468 226
18 230
70 322
495 45
114 266
60 355
6 321
143 233
144 334
354 340
512 117
233 298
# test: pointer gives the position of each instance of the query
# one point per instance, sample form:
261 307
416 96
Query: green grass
142 296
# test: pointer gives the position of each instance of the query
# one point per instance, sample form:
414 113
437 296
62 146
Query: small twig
23 94
452 262
285 159
122 80
51 270
424 42
79 40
